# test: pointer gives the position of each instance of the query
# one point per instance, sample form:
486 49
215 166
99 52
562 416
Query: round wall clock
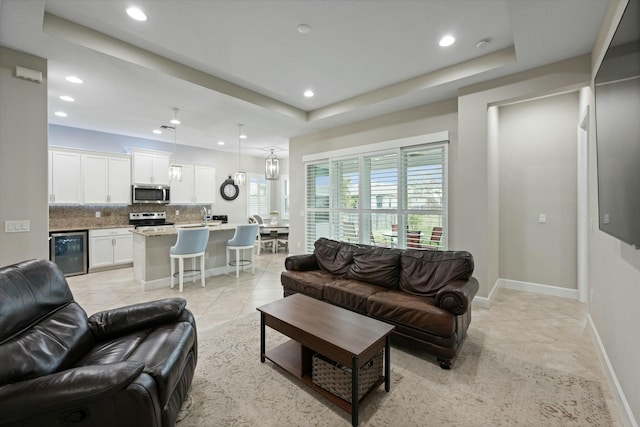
229 190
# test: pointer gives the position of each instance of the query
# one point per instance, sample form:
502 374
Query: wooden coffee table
318 327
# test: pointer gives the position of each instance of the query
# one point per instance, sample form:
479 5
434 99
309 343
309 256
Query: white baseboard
618 394
485 302
538 288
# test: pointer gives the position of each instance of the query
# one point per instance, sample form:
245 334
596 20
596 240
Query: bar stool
191 243
244 238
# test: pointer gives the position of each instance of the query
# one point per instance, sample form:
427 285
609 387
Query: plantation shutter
318 196
425 199
346 197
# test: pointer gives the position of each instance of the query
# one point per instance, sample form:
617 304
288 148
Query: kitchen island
151 264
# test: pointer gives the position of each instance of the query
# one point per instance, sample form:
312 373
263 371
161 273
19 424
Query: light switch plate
542 218
20 226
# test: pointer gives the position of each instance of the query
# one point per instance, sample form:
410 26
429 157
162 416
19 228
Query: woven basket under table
336 378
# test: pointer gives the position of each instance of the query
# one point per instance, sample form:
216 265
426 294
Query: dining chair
413 239
282 240
435 243
243 239
191 243
263 239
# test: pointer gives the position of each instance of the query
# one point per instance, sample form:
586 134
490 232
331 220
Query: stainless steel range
148 219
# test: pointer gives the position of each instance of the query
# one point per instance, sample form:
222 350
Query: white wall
23 158
614 269
473 197
538 170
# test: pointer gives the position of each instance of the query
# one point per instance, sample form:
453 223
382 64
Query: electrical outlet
542 218
98 214
177 212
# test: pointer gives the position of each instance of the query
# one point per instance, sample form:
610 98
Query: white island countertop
164 230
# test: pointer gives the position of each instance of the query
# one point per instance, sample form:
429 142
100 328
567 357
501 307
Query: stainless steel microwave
159 194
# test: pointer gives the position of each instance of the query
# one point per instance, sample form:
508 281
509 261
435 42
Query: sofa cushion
411 310
310 283
425 272
376 265
334 257
351 294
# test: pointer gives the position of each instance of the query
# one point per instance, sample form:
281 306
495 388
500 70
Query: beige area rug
232 388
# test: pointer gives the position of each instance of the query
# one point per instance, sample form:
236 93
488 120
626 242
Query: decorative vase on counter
274 217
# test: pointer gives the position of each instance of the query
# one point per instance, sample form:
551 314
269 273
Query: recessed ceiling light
243 136
447 40
67 98
157 131
136 14
220 142
74 79
304 29
60 114
308 93
174 121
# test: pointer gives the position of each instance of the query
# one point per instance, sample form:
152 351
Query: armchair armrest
456 296
306 262
72 387
121 320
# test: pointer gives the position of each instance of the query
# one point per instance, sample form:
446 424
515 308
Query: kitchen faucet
204 215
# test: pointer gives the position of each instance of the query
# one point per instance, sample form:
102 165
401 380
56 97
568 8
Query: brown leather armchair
129 366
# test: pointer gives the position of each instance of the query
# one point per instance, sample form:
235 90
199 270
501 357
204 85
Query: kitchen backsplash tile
84 217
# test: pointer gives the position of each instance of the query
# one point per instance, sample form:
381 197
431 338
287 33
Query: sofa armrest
122 320
456 297
306 262
73 387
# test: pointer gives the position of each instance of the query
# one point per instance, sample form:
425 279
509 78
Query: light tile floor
550 331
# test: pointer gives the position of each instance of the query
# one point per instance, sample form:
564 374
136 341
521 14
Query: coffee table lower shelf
296 359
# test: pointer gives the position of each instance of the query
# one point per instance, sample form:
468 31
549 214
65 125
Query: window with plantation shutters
317 203
258 196
396 197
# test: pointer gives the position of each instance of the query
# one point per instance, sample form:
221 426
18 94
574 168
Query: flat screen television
617 112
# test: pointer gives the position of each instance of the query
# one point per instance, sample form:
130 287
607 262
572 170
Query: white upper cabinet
197 185
65 173
150 168
120 180
107 179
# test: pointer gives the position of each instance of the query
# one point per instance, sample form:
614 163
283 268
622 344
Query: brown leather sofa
426 294
129 366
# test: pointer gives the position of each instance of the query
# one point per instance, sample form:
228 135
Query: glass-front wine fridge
69 251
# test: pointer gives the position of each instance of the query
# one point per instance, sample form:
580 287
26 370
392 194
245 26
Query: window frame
341 219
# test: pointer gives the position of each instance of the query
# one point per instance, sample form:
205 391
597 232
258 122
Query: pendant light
272 167
175 171
240 178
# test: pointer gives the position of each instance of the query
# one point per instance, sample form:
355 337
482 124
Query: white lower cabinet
110 247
